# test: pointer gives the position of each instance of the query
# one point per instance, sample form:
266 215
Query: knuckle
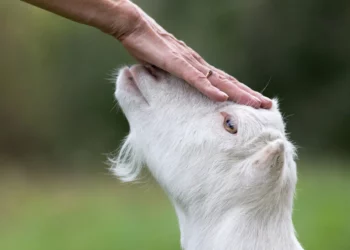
223 84
257 94
196 56
182 43
197 79
191 76
188 57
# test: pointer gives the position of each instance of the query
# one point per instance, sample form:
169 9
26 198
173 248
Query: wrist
122 19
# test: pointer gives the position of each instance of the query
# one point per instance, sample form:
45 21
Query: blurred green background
58 119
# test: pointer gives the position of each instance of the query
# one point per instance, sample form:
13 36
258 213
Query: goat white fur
230 191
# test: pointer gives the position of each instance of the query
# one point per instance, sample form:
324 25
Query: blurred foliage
57 102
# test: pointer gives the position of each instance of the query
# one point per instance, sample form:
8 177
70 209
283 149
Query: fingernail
224 95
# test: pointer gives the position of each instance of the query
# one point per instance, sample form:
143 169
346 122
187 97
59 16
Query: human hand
149 43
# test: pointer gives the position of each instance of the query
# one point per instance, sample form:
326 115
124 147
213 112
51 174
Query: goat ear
271 157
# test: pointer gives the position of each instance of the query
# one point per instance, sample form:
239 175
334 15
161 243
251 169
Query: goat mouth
131 81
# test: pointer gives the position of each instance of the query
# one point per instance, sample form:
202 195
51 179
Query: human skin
149 43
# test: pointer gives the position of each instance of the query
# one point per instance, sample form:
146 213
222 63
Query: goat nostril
128 74
151 69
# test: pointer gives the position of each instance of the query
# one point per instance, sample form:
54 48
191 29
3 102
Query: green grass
97 213
321 211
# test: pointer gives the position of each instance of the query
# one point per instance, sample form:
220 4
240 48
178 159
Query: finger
204 70
199 66
204 67
197 79
228 87
234 92
265 102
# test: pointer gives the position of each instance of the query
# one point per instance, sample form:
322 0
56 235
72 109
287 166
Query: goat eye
229 125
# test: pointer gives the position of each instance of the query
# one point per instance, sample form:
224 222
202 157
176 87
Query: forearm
115 17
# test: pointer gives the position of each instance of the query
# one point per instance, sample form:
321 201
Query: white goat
228 169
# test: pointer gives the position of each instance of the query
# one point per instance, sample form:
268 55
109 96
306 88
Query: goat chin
228 169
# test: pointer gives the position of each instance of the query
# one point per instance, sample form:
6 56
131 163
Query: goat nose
271 135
